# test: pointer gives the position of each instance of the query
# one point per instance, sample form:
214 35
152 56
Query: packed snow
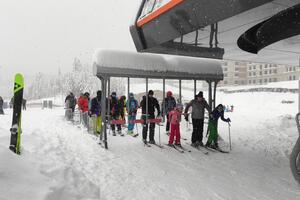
61 160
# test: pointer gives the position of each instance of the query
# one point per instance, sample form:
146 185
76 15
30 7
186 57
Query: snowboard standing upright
15 139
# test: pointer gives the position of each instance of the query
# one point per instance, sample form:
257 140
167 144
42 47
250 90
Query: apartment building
244 73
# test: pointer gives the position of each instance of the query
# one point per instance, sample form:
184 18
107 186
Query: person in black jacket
95 113
1 106
152 104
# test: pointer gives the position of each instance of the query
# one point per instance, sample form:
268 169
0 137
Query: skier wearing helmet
168 104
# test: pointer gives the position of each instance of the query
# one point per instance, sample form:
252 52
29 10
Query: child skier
213 126
132 107
174 119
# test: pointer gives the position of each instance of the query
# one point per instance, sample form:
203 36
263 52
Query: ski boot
152 142
114 133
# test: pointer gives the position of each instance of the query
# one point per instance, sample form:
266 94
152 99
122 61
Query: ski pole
229 136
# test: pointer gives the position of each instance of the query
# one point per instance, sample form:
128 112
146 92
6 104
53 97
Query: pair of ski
200 148
178 148
216 150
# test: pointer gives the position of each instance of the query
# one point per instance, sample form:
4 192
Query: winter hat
150 92
87 94
200 94
169 94
220 106
99 93
113 94
131 95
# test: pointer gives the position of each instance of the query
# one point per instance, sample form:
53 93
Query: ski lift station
109 63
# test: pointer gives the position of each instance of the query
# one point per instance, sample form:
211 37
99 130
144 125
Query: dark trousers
115 117
197 134
145 128
167 126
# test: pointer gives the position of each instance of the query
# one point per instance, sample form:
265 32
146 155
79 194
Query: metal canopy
109 63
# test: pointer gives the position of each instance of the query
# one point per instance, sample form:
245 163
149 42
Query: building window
249 81
225 69
290 77
236 82
275 79
260 81
249 74
225 75
270 71
250 68
266 72
236 74
275 71
294 68
260 67
266 80
254 73
225 63
237 63
270 79
236 69
254 67
260 73
294 77
266 66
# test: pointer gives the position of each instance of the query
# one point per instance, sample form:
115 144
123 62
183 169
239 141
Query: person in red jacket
83 105
174 119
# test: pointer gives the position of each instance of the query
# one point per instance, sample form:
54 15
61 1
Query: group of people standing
169 108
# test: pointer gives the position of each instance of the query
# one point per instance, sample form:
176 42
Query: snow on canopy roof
114 63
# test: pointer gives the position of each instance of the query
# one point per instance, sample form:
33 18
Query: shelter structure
109 63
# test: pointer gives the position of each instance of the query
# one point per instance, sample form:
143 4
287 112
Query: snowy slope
62 161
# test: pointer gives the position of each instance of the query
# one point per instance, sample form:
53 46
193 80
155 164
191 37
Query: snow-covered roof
145 65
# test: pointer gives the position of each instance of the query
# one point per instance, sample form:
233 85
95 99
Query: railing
295 155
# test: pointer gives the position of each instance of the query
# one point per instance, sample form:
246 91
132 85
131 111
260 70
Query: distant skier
198 105
1 106
168 104
95 112
152 104
116 109
24 104
132 107
213 126
174 119
71 101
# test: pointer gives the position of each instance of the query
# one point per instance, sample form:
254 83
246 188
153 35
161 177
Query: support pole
195 87
104 81
209 94
180 96
147 101
163 100
215 91
128 91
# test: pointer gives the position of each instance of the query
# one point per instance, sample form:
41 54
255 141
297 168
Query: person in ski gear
132 106
152 105
198 105
83 105
71 101
115 112
217 113
24 104
95 112
168 104
1 106
122 104
175 119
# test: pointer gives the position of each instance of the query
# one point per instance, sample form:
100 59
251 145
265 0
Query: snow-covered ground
61 161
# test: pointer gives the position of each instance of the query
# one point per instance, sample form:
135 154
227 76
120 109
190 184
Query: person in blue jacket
217 113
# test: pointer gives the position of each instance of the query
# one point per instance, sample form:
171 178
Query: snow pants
113 127
197 135
213 132
97 124
145 128
175 132
131 124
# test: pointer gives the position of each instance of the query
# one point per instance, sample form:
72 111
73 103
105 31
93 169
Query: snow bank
20 177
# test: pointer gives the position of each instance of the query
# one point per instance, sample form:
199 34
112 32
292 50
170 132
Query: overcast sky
42 35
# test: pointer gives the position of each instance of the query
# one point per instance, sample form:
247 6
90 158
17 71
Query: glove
228 119
186 117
